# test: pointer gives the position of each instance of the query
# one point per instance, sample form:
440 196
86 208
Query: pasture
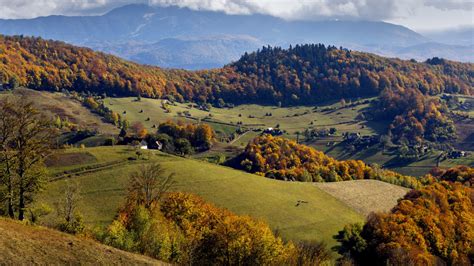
103 191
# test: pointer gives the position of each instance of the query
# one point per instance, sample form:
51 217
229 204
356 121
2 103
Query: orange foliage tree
281 158
432 225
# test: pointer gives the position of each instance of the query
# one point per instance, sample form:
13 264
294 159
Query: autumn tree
139 130
148 185
433 225
284 159
7 153
70 220
26 143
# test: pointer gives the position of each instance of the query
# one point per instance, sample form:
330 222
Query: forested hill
300 75
309 73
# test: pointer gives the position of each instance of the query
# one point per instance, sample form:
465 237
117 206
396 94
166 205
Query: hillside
21 244
365 196
291 120
56 104
149 30
102 189
301 75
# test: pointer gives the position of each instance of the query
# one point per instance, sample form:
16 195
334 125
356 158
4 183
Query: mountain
432 49
462 36
188 53
184 38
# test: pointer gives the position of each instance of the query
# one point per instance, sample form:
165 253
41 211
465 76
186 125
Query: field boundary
87 170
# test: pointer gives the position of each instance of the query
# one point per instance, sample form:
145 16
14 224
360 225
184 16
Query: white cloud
392 10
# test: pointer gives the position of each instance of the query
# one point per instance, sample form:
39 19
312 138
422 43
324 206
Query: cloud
35 8
451 4
288 9
321 9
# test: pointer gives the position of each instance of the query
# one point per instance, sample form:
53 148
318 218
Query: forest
284 159
300 75
433 225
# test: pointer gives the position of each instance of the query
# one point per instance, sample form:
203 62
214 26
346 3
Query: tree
139 130
14 83
70 218
343 103
148 185
433 225
28 141
123 132
183 146
7 134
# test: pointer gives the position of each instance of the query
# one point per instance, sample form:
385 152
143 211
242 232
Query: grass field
365 196
33 245
291 119
270 200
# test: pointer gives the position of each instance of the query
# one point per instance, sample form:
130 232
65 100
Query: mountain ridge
145 25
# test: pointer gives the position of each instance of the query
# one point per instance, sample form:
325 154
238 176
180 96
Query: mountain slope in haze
203 39
151 24
21 245
187 53
462 36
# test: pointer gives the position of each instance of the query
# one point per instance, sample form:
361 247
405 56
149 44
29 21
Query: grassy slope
273 201
365 196
285 117
22 245
58 104
342 119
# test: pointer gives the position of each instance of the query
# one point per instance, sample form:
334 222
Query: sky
421 15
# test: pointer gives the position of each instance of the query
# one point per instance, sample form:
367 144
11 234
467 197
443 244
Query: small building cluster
359 141
273 131
457 154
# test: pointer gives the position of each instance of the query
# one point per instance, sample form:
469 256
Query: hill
149 28
304 74
103 183
56 104
22 244
292 120
192 53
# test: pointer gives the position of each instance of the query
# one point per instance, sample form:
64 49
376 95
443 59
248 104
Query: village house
273 131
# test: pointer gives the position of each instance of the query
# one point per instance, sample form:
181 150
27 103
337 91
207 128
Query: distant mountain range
184 38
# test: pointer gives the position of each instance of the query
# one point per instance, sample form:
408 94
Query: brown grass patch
24 245
69 159
365 196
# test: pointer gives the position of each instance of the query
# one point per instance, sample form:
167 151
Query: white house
143 145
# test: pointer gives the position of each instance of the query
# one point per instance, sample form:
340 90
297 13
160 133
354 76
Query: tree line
304 74
284 159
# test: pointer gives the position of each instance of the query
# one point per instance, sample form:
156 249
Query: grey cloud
451 4
289 9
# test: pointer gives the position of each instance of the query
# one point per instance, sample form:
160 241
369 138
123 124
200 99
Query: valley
254 119
179 139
